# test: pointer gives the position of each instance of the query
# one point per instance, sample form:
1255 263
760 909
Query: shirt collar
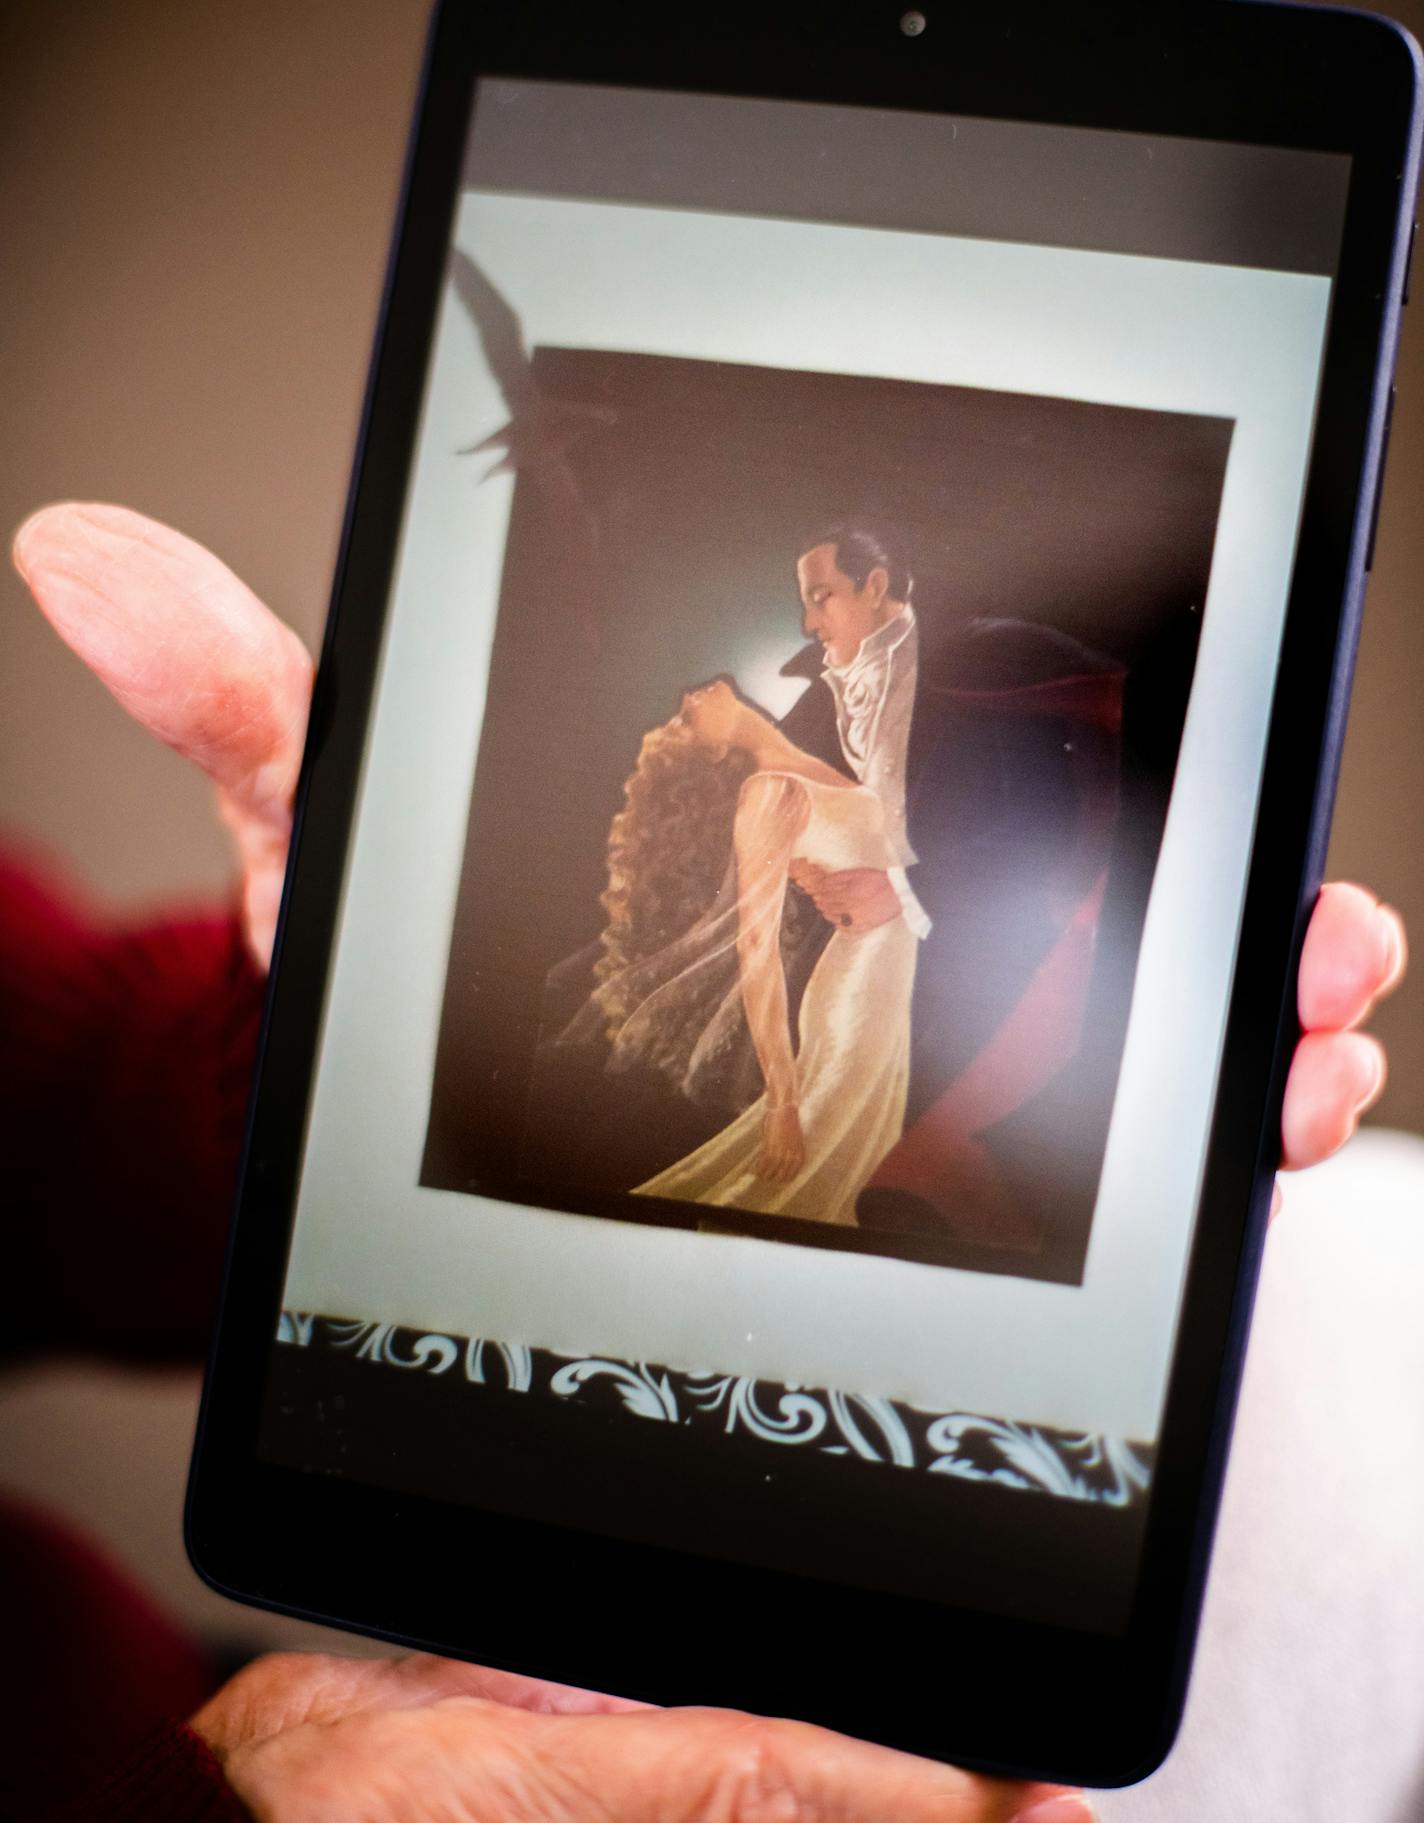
878 644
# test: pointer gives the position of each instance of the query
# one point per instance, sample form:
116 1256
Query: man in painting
995 752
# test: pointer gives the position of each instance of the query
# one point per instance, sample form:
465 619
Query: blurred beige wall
195 202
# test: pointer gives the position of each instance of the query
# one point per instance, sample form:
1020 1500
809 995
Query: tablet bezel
670 1625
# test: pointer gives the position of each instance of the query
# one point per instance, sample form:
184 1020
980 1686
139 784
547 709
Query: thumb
709 1765
191 653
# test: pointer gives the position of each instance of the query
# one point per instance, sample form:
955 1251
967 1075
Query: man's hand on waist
852 898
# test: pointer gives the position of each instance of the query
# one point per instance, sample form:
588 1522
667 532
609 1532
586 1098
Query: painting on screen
829 738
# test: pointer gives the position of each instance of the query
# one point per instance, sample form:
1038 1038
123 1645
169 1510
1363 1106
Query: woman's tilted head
713 716
670 846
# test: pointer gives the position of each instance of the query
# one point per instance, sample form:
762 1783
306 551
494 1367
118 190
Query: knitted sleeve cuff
172 1776
125 1059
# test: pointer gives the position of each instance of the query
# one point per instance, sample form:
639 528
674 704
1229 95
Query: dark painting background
1096 521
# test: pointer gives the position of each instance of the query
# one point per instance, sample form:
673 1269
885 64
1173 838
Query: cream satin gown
852 1061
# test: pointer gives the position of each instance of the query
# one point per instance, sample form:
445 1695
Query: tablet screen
785 948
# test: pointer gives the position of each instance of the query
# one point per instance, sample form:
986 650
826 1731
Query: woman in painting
720 806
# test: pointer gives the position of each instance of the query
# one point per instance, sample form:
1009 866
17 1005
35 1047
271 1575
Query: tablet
819 771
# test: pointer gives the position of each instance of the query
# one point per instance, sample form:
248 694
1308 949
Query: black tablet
819 770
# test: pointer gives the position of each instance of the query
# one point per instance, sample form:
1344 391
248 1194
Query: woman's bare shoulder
774 796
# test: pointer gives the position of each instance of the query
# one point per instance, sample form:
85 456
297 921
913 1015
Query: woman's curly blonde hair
670 846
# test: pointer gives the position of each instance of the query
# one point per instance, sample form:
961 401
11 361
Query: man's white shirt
875 701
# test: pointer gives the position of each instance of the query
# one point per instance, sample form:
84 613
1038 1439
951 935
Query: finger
776 1169
289 1689
190 652
697 1765
1334 1077
183 644
850 895
422 1678
843 909
849 883
1354 952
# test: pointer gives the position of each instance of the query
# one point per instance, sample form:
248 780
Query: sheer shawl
680 1010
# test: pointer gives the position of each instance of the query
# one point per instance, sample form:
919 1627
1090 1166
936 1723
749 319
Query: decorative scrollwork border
1071 1465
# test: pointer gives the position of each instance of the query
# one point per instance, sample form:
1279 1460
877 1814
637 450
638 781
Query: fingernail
1371 1072
19 542
1073 1808
37 530
1394 947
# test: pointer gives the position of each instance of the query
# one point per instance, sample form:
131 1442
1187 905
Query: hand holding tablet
327 1739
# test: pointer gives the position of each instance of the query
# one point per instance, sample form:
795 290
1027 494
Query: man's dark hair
859 550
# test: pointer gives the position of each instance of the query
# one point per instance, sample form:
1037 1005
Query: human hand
305 1738
852 898
783 1145
191 653
1355 953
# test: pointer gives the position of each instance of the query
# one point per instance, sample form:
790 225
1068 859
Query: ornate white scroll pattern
1072 1466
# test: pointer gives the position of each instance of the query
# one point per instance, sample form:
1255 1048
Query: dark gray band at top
1111 192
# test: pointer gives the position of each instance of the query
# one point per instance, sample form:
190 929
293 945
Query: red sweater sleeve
125 1058
172 1777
